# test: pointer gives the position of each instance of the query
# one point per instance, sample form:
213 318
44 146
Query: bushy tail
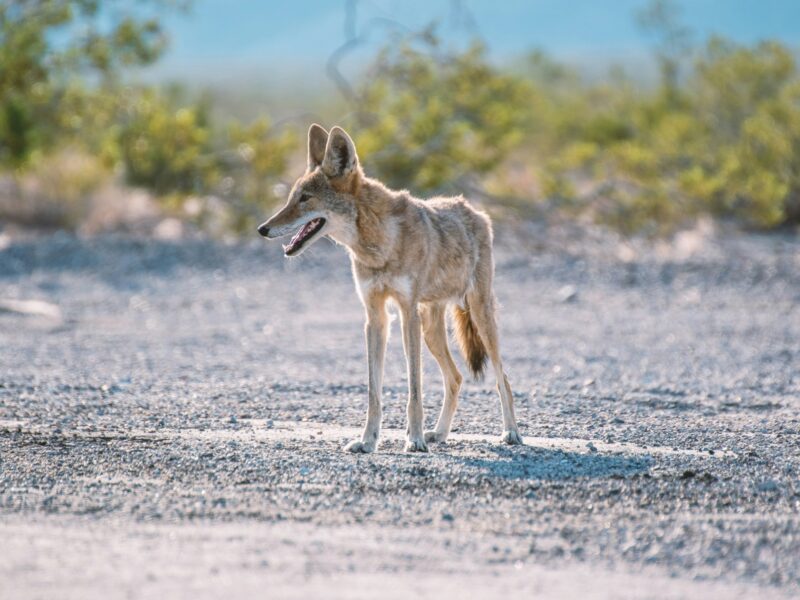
469 341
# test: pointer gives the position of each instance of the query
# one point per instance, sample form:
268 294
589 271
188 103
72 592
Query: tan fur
424 256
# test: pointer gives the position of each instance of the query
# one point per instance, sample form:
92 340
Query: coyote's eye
304 198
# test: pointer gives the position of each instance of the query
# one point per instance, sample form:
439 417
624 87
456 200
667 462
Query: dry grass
75 191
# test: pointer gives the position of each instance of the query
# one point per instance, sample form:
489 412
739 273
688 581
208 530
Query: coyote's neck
374 234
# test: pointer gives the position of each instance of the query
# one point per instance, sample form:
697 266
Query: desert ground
173 413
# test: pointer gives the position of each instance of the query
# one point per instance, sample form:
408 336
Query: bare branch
353 40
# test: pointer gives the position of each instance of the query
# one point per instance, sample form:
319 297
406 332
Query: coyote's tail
469 341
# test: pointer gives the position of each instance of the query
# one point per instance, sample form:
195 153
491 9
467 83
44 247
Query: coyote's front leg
376 332
412 334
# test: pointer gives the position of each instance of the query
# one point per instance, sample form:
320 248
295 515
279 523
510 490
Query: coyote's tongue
301 236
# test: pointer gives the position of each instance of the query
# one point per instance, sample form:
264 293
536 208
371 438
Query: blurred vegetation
57 57
62 90
427 119
719 135
724 143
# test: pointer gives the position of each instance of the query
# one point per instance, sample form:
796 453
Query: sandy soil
172 417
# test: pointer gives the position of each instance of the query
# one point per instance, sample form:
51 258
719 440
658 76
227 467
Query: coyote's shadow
555 465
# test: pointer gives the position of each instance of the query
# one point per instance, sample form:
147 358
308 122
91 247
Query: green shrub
262 153
721 138
39 77
166 149
426 118
748 104
170 148
727 143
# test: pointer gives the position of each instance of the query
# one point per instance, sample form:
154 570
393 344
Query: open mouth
307 231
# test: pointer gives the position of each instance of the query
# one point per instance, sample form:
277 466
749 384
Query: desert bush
427 118
262 152
172 148
164 148
63 102
725 143
48 49
747 102
718 135
54 191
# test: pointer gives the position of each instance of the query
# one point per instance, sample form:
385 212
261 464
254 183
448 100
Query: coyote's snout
426 256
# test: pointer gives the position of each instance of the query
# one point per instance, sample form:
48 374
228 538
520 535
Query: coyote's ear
317 140
340 155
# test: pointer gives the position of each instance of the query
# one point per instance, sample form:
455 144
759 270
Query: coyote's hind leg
435 332
481 303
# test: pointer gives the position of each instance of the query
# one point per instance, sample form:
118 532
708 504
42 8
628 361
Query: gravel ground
172 417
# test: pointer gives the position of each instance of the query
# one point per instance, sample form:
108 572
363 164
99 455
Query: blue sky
220 38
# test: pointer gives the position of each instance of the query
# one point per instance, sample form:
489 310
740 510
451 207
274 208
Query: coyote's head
323 200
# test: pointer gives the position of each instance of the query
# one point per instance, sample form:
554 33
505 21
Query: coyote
425 255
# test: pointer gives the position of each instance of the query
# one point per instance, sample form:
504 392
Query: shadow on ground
557 465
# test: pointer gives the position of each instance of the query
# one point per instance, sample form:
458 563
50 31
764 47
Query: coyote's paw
511 437
435 436
360 447
416 445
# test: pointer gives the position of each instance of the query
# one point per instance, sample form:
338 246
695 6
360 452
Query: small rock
36 308
708 478
566 294
169 229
